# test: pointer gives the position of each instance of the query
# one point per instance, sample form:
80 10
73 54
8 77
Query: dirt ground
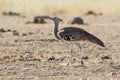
31 52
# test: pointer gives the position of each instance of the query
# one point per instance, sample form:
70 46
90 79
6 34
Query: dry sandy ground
35 54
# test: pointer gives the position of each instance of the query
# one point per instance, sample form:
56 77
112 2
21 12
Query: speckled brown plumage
78 34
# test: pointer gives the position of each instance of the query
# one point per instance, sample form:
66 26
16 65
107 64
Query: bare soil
31 52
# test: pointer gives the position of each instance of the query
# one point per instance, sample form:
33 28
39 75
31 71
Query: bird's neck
56 30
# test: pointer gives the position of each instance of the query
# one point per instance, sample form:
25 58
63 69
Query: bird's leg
70 56
80 49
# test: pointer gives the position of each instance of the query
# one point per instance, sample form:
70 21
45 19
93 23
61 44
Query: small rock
51 58
8 30
10 13
7 57
24 34
105 57
15 33
42 33
2 30
84 57
16 41
91 13
30 33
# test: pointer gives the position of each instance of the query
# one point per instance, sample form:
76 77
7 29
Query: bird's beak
50 18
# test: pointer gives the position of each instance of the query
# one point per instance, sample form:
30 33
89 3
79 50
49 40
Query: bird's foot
81 62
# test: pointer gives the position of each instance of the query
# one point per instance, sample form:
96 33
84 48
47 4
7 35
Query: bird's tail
96 40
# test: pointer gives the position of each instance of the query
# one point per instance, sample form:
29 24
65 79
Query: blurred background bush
60 7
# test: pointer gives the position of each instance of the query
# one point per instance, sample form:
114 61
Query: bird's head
56 20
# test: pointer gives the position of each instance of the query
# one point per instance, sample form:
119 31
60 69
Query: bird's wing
78 34
65 35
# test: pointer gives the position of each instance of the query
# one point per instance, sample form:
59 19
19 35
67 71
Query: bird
73 35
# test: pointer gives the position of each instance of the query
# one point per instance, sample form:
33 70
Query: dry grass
53 7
